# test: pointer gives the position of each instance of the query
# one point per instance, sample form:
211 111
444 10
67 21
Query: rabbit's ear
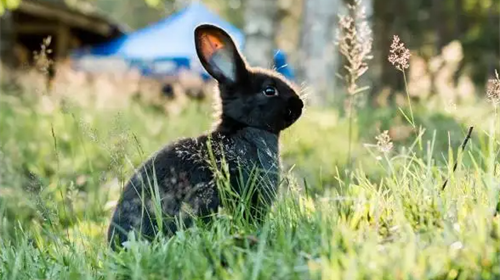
218 54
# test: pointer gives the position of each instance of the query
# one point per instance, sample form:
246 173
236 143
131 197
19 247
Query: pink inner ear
209 45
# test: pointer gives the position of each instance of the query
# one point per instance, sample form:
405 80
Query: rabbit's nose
294 108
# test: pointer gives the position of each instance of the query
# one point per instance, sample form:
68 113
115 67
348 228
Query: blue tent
282 66
159 49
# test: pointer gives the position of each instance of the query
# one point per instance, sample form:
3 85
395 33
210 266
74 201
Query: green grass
386 217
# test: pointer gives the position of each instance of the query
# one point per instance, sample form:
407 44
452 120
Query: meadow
366 206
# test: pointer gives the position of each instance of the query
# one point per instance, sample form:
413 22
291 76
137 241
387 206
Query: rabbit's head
250 97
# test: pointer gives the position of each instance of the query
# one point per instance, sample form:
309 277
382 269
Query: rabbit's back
169 177
180 177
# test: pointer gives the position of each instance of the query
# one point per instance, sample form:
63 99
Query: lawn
348 209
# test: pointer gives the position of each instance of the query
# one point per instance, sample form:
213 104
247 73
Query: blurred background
453 42
89 89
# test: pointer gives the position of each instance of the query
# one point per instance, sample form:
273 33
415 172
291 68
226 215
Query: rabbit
255 106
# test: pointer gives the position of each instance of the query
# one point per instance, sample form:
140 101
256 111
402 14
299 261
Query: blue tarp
282 66
161 48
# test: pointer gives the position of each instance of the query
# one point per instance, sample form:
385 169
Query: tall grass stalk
399 56
412 122
354 40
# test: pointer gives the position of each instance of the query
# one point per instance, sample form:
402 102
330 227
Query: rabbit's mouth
290 116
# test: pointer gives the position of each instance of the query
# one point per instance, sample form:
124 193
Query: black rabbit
179 180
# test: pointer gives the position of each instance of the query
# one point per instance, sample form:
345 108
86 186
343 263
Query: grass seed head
399 55
354 40
384 143
493 90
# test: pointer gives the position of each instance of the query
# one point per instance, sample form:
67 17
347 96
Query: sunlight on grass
61 174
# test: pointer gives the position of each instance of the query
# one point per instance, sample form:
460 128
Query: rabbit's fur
256 104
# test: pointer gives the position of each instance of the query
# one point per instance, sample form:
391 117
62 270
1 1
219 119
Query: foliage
138 14
8 5
429 25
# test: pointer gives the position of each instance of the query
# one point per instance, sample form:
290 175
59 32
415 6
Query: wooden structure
23 30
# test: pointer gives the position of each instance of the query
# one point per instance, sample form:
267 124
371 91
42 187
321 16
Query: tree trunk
439 25
289 20
459 26
383 31
6 39
260 26
319 58
492 13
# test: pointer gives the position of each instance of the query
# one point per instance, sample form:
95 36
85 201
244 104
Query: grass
62 168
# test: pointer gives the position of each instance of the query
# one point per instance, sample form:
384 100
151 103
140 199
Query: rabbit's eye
270 91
